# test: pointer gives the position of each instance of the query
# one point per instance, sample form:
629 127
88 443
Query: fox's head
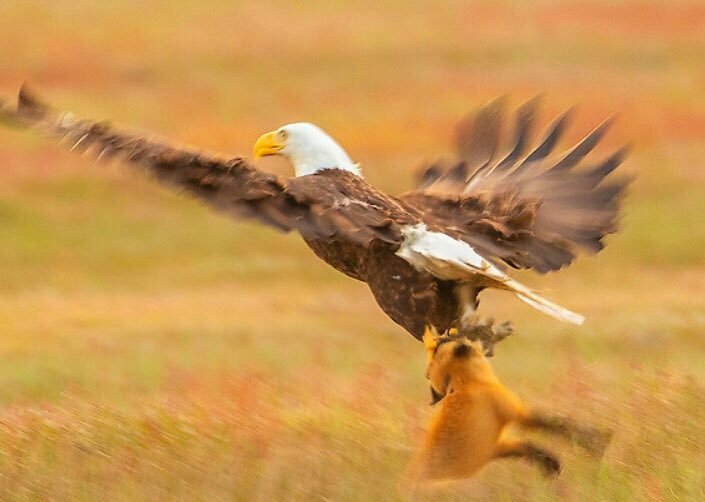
453 361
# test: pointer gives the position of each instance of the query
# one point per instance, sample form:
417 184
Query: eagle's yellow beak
267 144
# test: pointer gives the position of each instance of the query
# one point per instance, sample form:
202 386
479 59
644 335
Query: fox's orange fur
470 426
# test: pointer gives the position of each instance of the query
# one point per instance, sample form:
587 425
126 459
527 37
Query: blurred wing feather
525 209
337 205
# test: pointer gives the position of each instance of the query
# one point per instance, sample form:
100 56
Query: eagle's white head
308 148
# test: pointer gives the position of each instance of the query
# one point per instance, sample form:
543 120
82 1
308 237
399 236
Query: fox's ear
430 341
430 338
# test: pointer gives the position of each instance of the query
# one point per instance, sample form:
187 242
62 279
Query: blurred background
152 349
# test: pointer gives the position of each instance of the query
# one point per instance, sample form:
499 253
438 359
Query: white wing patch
443 256
451 259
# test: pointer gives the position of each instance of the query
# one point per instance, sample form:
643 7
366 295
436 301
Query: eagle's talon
502 331
486 331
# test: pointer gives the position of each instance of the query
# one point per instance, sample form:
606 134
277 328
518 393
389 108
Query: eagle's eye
283 134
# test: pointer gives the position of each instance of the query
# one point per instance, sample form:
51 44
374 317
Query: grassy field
150 349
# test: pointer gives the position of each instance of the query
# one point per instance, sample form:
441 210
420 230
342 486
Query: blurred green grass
151 349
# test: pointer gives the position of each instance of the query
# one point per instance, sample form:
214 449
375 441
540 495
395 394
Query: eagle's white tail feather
540 303
451 259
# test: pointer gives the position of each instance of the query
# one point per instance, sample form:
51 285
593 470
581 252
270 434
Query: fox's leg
591 438
547 461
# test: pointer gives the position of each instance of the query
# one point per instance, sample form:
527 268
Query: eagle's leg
470 324
466 295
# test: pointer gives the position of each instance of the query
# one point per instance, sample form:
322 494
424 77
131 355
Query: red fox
470 426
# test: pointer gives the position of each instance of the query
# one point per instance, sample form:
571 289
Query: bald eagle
425 255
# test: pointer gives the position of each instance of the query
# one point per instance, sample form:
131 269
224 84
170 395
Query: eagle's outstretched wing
526 207
338 206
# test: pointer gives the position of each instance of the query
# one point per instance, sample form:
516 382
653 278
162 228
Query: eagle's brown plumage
523 208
